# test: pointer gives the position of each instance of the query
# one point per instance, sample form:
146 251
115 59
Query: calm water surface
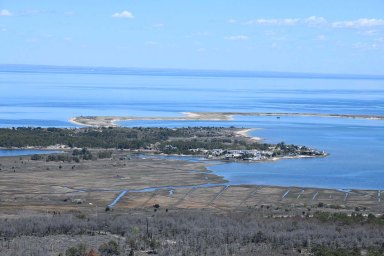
355 161
25 152
44 96
35 96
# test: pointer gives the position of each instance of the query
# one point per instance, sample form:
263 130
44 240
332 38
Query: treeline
75 156
81 138
354 218
56 158
199 232
127 138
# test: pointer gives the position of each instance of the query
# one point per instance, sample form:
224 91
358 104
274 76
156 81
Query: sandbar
246 133
112 121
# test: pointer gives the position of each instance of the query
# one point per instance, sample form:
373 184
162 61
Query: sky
319 36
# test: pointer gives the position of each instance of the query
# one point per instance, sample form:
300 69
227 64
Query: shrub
104 154
109 249
78 250
36 157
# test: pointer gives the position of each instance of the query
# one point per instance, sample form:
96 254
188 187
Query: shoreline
111 121
214 180
73 120
246 134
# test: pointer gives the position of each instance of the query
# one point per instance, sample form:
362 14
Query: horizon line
46 68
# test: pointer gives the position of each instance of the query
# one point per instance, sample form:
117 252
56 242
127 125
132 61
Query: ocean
48 96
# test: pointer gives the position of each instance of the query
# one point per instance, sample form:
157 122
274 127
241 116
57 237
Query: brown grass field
40 186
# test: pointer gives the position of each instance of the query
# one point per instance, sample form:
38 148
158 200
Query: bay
48 96
355 150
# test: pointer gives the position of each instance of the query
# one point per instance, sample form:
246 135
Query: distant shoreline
57 69
106 121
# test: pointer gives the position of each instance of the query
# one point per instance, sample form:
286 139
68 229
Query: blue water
49 96
355 161
356 147
25 152
45 96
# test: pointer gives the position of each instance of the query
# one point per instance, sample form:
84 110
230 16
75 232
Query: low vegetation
196 232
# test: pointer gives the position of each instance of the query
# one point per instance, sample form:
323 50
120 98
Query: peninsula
217 143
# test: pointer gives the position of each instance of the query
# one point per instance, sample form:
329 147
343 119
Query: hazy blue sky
325 36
